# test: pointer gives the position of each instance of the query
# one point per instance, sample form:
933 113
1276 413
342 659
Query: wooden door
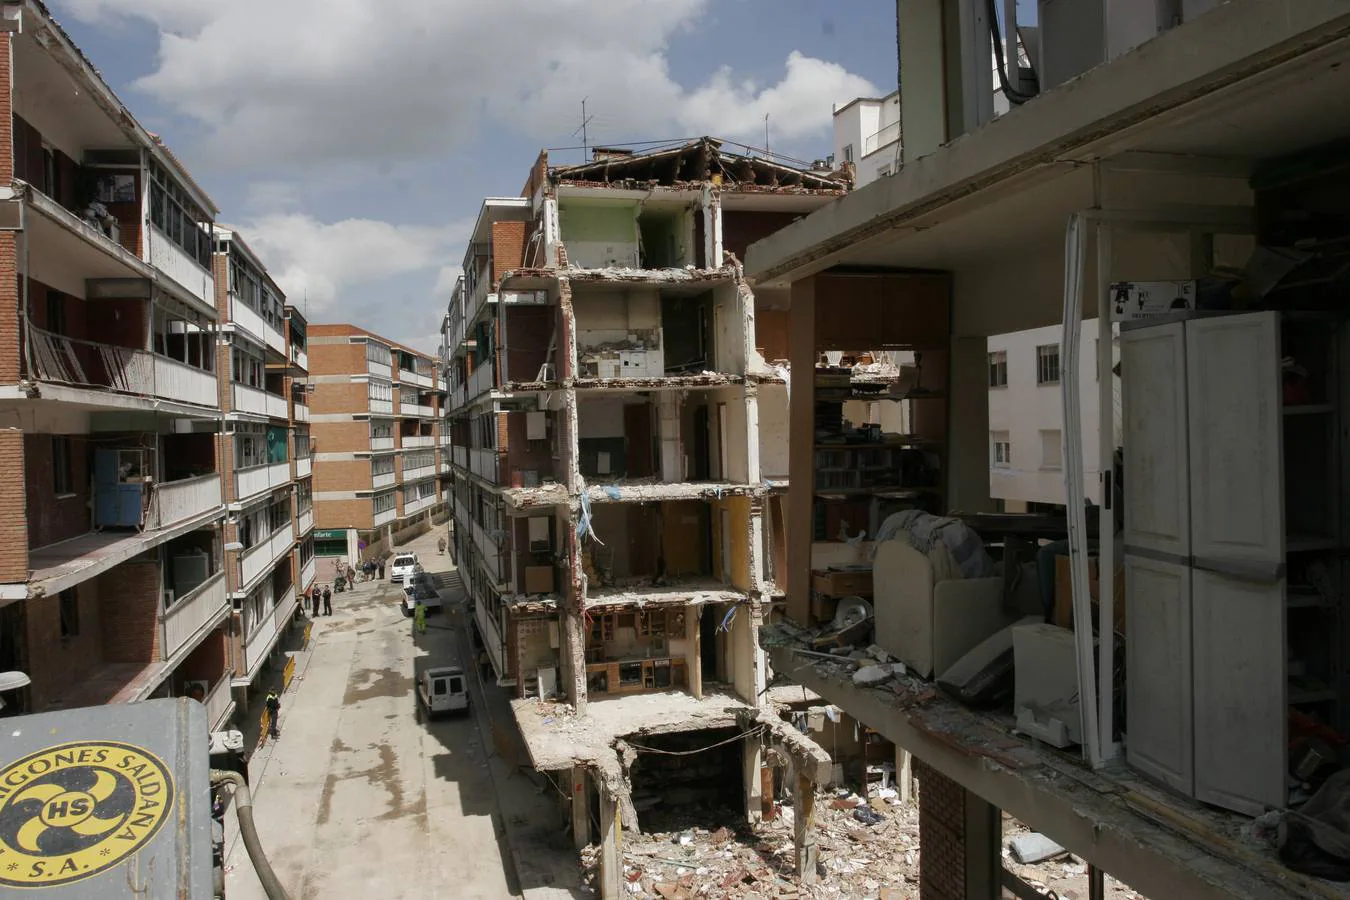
637 432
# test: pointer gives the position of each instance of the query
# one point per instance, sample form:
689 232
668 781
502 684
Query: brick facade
942 835
508 247
131 595
53 517
13 508
58 665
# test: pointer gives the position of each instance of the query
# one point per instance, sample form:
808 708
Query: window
998 369
848 153
385 502
69 601
304 496
63 476
381 430
1047 364
250 446
381 390
1001 450
246 368
378 354
1052 449
382 465
174 213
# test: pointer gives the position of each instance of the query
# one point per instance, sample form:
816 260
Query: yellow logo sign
72 811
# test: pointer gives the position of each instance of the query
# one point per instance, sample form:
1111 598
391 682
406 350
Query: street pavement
357 798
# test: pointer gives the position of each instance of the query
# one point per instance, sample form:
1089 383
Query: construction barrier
287 673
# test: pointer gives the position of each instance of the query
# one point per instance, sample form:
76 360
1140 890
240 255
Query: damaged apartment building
619 456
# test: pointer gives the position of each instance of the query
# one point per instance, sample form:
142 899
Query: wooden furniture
1232 509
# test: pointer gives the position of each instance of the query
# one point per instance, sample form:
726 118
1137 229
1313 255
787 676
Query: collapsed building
619 460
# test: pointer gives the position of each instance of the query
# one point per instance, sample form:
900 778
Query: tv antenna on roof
585 120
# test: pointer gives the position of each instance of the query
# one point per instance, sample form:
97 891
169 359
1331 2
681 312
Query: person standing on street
440 545
420 617
315 595
273 704
380 567
327 602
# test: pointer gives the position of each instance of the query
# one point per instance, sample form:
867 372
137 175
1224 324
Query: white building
867 134
1026 417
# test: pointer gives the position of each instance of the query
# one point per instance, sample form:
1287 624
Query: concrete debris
873 675
869 848
1033 848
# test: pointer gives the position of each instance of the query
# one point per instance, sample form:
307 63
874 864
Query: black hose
1015 97
248 829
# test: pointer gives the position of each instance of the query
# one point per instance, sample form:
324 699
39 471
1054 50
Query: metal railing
382 443
486 464
192 612
888 135
176 501
124 370
418 440
218 701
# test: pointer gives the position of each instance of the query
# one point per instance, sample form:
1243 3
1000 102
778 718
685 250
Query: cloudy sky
352 142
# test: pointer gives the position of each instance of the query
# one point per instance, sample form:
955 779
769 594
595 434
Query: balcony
416 410
299 411
264 636
883 138
307 573
304 523
178 501
304 467
419 472
458 397
460 456
481 381
383 518
193 615
384 479
256 480
258 402
444 440
277 407
138 374
485 464
412 507
381 407
445 464
259 559
384 370
219 703
245 317
413 441
408 376
173 261
300 357
382 443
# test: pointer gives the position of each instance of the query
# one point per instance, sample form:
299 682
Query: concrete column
804 828
694 655
801 468
752 761
668 410
611 852
581 807
572 655
904 774
984 860
968 428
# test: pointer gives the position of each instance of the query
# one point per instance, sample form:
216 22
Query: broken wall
731 540
602 444
597 235
536 646
529 447
618 333
667 234
527 334
729 335
743 649
771 333
685 538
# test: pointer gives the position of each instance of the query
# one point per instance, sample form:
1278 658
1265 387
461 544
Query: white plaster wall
773 430
729 336
1023 409
737 452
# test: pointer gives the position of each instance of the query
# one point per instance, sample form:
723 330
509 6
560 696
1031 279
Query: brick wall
332 398
342 475
6 112
220 268
344 514
335 359
130 597
208 661
508 247
59 665
13 508
741 228
522 453
942 836
11 341
339 437
52 518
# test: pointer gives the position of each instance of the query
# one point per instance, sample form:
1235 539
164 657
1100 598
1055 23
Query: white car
404 565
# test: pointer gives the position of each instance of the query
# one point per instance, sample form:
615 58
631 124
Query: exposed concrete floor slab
557 738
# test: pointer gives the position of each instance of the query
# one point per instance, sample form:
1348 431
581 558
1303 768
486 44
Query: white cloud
306 82
329 264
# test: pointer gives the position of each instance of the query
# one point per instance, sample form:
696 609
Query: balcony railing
888 135
307 572
418 440
411 507
409 376
259 559
458 397
384 369
304 466
259 642
218 702
285 611
481 381
258 479
460 456
177 501
173 261
300 357
419 472
191 614
416 409
300 411
444 439
388 515
384 479
122 370
485 464
382 406
245 317
277 407
304 523
382 443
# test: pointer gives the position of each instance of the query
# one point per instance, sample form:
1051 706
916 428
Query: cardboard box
842 584
1064 593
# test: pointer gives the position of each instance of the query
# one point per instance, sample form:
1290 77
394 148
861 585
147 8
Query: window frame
1000 450
998 366
1048 356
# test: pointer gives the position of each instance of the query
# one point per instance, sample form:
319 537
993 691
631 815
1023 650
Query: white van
403 565
442 690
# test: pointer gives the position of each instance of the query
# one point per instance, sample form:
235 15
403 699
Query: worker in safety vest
420 617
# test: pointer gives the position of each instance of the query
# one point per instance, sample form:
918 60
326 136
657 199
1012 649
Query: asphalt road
357 798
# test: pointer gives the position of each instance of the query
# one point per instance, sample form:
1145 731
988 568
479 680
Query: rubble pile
867 849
